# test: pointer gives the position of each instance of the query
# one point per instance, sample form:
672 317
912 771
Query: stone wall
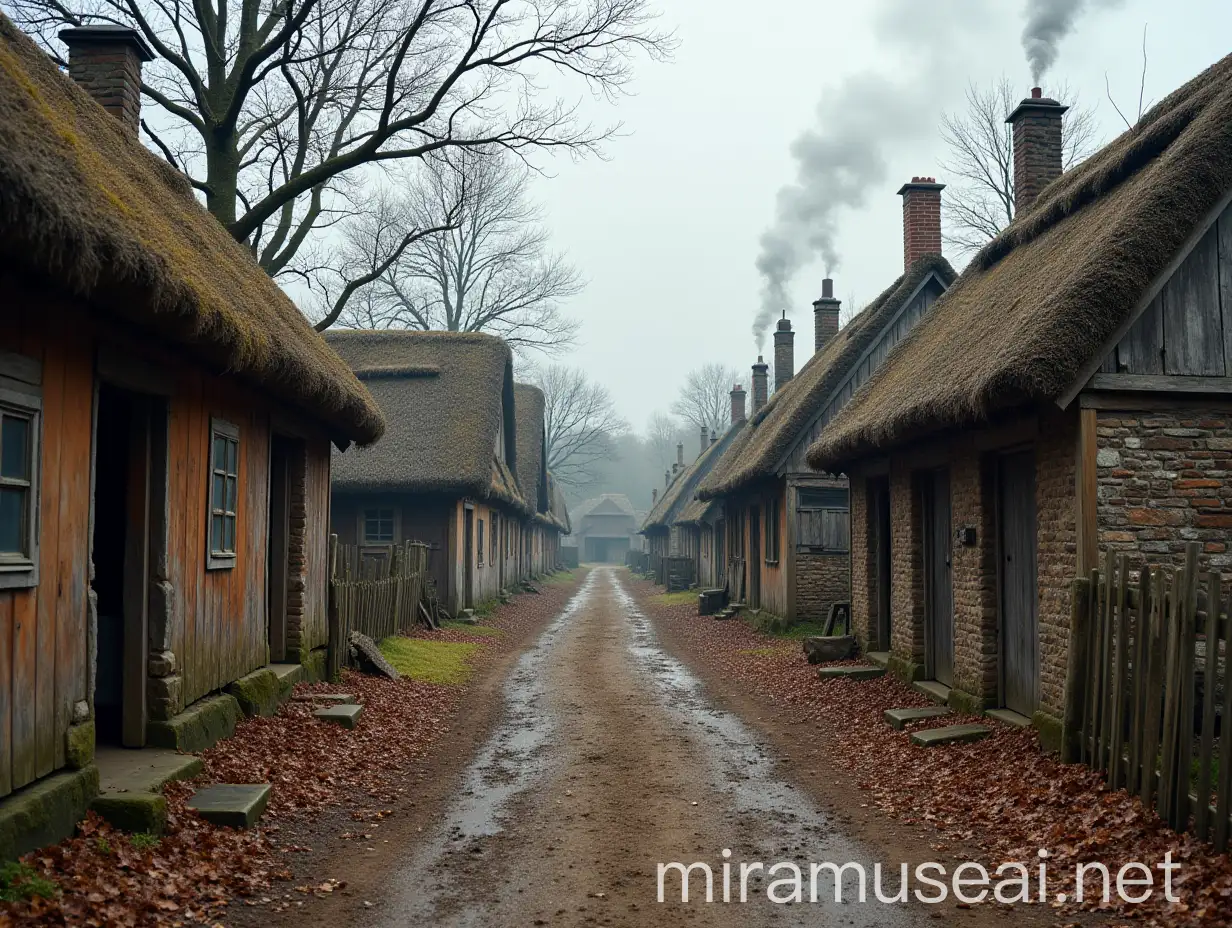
974 574
297 555
906 566
1056 549
863 569
1165 479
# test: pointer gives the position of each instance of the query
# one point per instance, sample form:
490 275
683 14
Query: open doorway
287 459
130 454
879 494
468 557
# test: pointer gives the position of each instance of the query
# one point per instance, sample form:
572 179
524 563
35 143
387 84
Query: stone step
130 785
880 658
1009 717
329 699
288 674
899 718
346 715
232 804
934 690
951 734
851 673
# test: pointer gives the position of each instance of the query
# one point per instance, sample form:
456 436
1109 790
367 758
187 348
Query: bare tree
1143 103
705 398
490 271
663 433
580 421
274 109
980 168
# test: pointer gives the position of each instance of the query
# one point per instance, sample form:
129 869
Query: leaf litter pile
188 876
1001 795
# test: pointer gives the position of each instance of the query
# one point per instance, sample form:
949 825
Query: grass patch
561 576
676 599
143 841
801 630
430 661
483 631
18 882
486 608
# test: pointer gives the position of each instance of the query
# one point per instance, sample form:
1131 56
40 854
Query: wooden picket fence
1148 684
374 590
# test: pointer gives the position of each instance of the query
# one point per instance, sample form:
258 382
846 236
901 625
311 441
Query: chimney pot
705 442
761 384
784 352
737 403
921 219
713 438
825 316
680 454
1036 123
105 61
654 496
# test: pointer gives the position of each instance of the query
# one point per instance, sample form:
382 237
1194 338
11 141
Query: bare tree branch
580 422
705 399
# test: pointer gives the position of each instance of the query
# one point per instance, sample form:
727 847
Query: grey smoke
841 158
1048 22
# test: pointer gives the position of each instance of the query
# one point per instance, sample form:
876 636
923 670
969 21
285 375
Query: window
773 519
822 520
20 438
480 545
495 538
378 526
224 491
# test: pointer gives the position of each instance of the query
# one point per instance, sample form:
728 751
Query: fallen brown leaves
195 870
1001 795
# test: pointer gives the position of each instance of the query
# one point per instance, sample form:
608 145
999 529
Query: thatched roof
1043 298
558 514
618 500
85 207
528 405
671 506
444 396
778 425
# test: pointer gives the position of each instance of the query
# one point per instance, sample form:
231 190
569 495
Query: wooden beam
1146 402
1020 432
1161 383
1085 485
1088 370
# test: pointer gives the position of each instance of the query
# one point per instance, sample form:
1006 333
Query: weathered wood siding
43 629
1187 329
314 630
874 356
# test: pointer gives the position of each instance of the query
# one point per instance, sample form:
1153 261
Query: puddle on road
784 821
513 759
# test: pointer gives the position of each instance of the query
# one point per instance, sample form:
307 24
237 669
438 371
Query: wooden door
1016 517
938 578
468 556
278 546
755 557
879 496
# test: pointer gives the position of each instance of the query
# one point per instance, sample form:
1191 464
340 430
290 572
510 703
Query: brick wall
974 574
297 556
112 76
821 579
863 569
1056 549
1165 479
1037 149
906 566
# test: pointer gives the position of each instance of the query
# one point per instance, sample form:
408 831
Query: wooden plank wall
315 630
220 633
43 629
1187 328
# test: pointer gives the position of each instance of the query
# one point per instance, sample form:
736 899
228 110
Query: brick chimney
654 497
106 62
667 478
680 454
761 384
705 441
921 219
713 437
737 403
1037 147
784 352
825 316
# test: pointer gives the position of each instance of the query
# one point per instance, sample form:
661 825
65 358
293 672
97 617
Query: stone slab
950 734
145 770
1009 717
134 811
937 692
288 675
329 699
851 673
232 804
199 727
821 649
258 693
880 658
346 715
46 811
899 718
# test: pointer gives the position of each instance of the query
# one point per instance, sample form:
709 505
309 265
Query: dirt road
609 761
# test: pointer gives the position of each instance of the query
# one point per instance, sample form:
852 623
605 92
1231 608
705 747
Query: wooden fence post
1187 680
1076 673
1223 802
1202 815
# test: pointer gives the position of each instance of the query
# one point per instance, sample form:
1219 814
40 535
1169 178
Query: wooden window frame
773 521
222 558
365 539
21 398
479 541
800 507
494 542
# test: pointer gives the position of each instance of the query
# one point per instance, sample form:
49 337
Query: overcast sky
667 229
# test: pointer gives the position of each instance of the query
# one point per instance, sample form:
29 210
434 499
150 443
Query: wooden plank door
1019 614
468 555
939 590
755 558
278 547
880 497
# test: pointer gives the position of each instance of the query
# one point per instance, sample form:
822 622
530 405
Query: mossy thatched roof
528 403
679 496
84 205
1043 298
444 396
